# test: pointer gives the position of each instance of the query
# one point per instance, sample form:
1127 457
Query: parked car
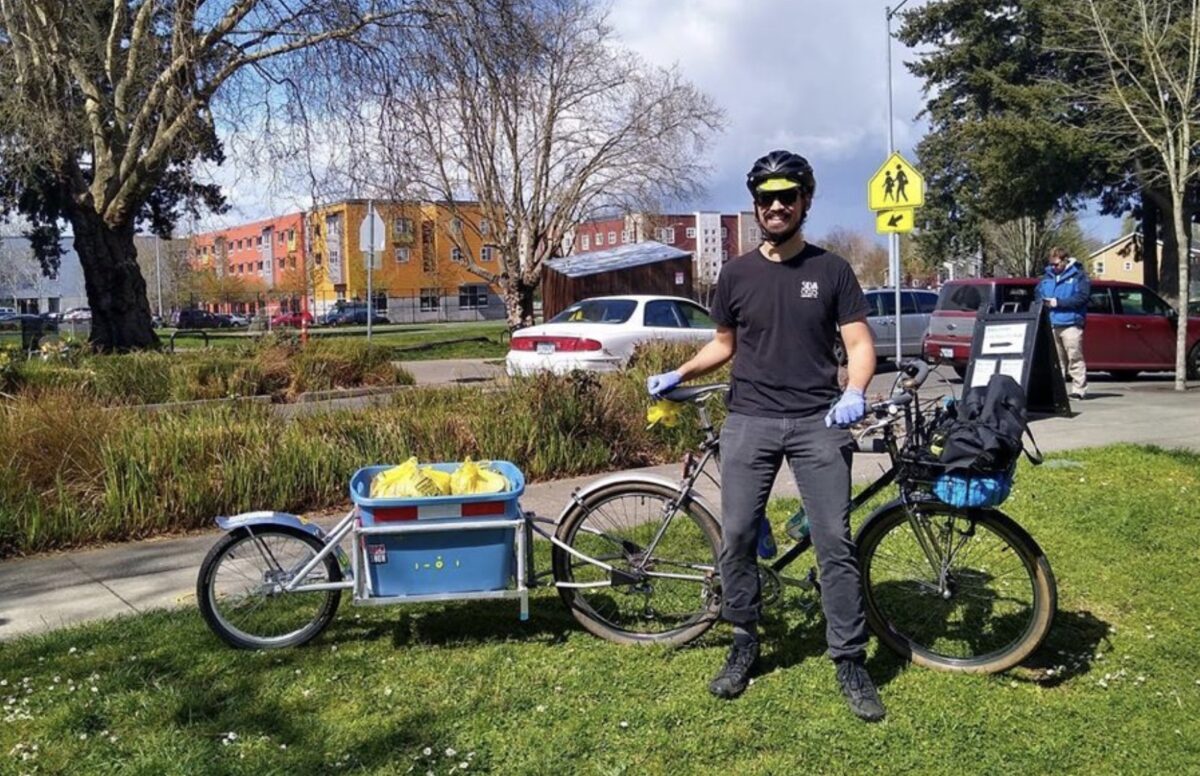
237 319
294 320
78 314
1130 329
195 319
5 312
600 334
916 305
355 317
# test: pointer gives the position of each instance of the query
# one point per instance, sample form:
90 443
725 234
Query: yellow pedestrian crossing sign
894 221
896 184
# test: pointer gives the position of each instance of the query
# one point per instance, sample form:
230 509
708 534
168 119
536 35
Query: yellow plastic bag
439 479
664 412
471 478
383 483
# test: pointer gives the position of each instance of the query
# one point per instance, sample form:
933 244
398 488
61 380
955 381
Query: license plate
947 352
378 553
545 347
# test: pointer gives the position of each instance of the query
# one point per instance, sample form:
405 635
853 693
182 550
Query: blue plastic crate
449 561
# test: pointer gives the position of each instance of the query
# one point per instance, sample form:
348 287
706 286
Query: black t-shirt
785 316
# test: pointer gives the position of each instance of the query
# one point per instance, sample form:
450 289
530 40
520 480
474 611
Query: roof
621 257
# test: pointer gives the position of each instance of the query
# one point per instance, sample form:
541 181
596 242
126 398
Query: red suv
1130 329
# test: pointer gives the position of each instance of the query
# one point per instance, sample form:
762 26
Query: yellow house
422 272
1121 259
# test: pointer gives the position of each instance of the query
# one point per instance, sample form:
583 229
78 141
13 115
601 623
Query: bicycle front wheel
956 590
239 593
661 552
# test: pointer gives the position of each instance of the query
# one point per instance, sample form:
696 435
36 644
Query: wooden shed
637 268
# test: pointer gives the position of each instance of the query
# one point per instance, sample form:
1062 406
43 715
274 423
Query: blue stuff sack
973 490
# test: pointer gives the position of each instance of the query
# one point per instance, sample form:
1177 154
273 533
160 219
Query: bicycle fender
267 517
625 478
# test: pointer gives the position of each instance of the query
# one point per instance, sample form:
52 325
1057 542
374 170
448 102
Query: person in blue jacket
1065 290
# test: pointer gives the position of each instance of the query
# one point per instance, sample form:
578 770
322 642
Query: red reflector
483 508
395 514
588 344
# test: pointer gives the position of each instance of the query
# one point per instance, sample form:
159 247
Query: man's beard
785 235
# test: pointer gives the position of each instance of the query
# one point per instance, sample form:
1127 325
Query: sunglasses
787 197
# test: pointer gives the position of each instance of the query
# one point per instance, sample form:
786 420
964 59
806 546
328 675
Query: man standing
1065 290
778 308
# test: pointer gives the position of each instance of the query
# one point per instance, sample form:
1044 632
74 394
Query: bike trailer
437 545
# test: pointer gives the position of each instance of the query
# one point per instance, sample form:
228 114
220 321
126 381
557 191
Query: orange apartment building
313 261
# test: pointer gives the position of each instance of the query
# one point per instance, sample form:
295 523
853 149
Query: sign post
894 192
370 241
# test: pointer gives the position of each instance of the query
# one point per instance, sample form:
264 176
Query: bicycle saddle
694 392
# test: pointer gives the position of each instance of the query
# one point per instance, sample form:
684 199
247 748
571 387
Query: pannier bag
979 442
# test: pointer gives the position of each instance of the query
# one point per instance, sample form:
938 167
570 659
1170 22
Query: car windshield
964 298
597 311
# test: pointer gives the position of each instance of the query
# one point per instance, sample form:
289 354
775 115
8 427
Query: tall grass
276 366
80 472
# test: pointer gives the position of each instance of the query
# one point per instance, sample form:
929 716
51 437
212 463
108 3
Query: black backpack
983 433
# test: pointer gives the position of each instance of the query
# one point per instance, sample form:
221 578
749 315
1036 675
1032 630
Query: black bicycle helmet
782 164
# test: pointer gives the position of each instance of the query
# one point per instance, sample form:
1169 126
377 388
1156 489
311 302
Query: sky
809 76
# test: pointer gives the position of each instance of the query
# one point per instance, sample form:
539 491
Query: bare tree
1147 89
532 110
1019 247
106 104
866 256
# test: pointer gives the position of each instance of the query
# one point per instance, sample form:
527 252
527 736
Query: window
597 311
724 254
1128 266
292 261
472 297
919 301
485 227
429 300
612 238
626 236
665 235
260 239
881 303
964 298
485 253
317 259
695 316
599 239
662 314
1098 267
260 266
456 254
1139 301
401 256
456 226
1017 298
724 233
230 269
402 229
1099 302
585 243
691 233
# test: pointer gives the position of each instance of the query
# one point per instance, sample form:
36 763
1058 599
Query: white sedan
600 334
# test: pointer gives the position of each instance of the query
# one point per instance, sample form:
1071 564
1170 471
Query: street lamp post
893 239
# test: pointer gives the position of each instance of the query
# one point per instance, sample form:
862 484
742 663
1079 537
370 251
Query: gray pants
1068 340
752 450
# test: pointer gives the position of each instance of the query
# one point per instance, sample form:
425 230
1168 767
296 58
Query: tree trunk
1179 235
1149 243
116 290
518 303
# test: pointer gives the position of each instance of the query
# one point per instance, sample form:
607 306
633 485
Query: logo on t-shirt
808 289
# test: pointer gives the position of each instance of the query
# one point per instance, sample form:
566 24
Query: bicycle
955 589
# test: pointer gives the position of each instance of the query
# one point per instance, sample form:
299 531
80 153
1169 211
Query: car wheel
1193 362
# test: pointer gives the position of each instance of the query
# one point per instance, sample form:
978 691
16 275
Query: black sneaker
735 676
859 690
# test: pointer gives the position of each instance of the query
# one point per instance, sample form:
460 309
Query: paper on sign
1013 367
1009 338
982 371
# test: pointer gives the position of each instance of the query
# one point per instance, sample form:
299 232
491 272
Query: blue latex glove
849 409
657 385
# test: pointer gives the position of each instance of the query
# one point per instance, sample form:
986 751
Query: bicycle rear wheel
238 588
657 592
982 604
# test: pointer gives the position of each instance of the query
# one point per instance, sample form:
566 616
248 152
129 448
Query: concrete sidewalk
47 592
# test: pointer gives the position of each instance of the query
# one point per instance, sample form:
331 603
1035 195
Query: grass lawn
427 689
413 342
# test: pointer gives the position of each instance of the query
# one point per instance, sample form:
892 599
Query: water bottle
766 541
797 525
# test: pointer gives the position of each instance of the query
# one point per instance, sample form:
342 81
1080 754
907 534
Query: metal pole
158 274
893 239
370 265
